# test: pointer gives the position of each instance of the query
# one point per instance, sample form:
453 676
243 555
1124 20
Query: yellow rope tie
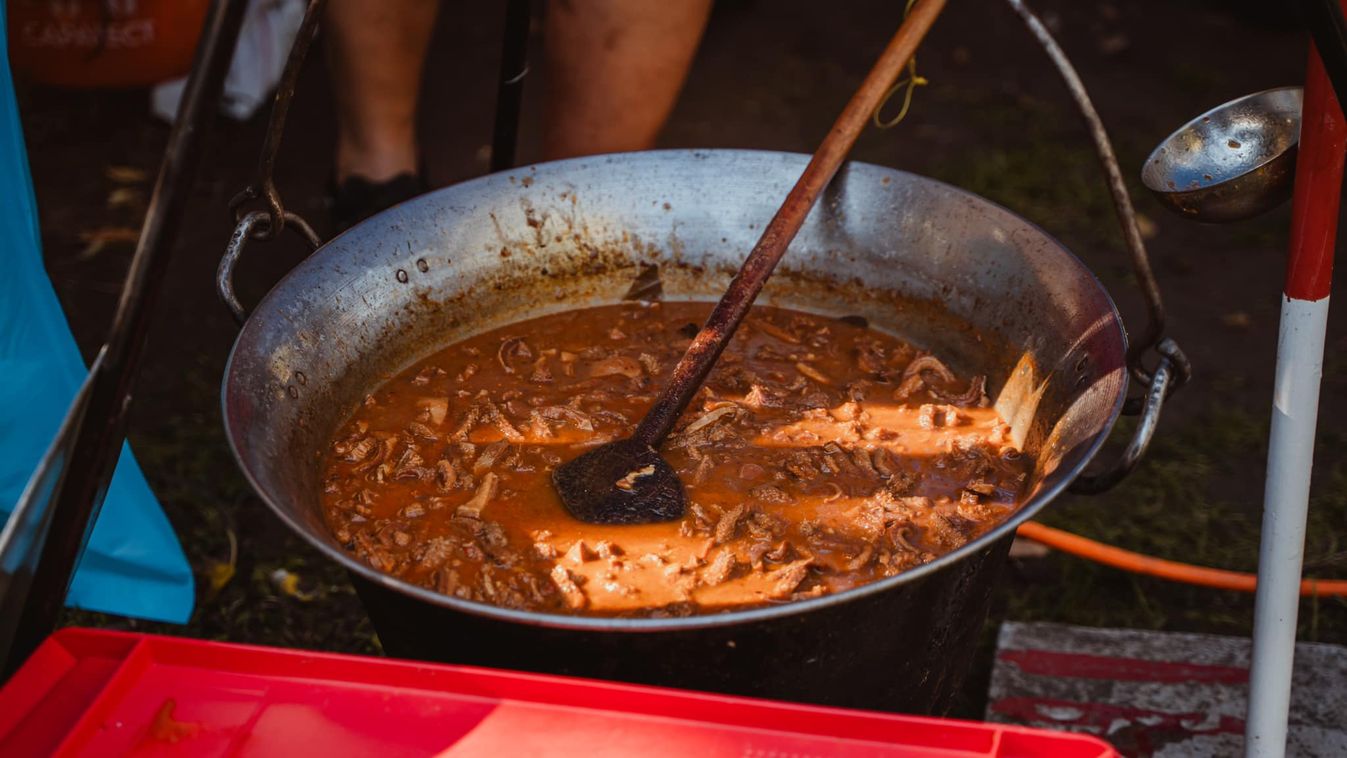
910 82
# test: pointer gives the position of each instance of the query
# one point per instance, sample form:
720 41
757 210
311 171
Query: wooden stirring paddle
628 481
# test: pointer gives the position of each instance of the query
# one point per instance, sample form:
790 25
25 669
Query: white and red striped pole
1295 407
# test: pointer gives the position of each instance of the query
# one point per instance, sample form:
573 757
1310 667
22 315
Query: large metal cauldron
936 265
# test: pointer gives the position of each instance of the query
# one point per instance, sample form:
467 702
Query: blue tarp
133 565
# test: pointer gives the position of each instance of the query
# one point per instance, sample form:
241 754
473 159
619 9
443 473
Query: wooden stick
701 356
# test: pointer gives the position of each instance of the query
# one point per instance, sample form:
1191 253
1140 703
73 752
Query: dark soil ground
995 119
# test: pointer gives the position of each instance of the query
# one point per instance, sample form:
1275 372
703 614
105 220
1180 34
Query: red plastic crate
92 692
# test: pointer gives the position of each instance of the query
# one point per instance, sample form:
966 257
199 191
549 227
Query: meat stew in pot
819 455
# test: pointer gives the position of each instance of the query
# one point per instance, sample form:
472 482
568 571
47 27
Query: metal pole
26 532
1295 407
1328 29
73 493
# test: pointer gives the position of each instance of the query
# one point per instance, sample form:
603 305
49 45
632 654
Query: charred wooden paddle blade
623 482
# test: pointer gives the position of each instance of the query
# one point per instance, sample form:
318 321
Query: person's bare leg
376 52
614 70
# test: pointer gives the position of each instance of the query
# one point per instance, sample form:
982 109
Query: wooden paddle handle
701 356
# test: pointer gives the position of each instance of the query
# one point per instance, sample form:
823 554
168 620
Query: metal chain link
263 188
1122 203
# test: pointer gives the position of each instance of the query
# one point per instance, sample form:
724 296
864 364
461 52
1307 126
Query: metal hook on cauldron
264 187
1172 368
254 225
266 222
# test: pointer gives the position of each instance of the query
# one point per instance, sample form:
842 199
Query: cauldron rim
725 618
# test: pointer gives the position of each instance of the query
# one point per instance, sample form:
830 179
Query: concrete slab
1159 693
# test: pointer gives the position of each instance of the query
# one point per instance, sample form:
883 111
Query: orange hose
1174 571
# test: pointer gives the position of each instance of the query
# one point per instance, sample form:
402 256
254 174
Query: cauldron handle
254 225
272 218
1171 370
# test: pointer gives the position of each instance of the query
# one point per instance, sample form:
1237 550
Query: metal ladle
1231 163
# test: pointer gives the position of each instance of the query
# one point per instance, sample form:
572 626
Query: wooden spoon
627 481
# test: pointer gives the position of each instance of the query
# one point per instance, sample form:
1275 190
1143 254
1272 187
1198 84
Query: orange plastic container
104 43
88 692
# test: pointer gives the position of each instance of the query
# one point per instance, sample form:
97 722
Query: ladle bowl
1231 163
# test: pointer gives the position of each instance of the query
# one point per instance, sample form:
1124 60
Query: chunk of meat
580 553
712 417
788 578
704 468
409 465
861 559
928 362
619 365
945 533
434 553
446 476
490 454
870 357
974 396
926 416
512 349
718 572
650 363
568 416
360 451
424 376
565 582
925 372
485 492
776 331
381 453
813 373
759 397
770 494
765 526
541 373
729 523
436 407
802 465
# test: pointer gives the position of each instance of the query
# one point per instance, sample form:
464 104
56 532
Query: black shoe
357 198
